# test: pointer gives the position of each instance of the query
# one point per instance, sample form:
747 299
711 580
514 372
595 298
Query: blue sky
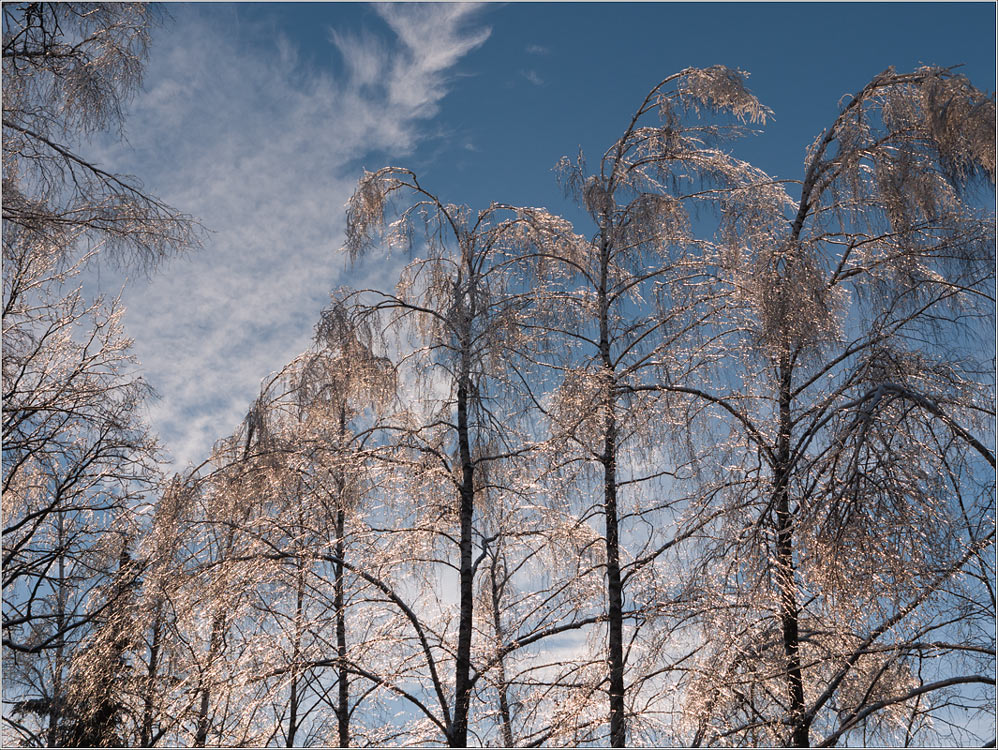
258 119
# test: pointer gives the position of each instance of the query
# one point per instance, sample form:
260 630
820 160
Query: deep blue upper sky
592 63
258 118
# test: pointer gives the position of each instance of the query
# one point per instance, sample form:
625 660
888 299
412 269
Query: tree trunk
343 695
145 736
615 603
614 589
789 614
497 591
343 686
462 684
201 735
295 659
55 702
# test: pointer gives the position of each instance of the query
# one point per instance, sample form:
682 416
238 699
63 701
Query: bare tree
457 306
862 416
69 70
724 468
76 455
321 404
77 459
161 700
251 579
624 310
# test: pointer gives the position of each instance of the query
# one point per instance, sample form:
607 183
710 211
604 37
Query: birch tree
863 419
77 457
69 71
323 404
456 321
625 308
161 699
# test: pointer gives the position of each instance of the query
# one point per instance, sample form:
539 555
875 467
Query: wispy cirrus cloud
236 130
435 38
533 77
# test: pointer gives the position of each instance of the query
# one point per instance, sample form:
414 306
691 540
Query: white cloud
533 77
258 146
435 38
364 54
536 49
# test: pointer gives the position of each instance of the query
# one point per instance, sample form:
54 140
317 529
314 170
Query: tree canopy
713 465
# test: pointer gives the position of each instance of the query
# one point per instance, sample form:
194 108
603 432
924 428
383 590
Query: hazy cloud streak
263 149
